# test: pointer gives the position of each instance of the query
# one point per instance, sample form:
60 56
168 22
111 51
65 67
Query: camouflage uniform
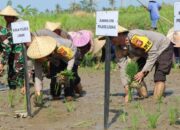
13 56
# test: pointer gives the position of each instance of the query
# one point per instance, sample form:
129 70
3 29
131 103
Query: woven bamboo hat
98 45
9 11
174 37
41 46
52 25
122 29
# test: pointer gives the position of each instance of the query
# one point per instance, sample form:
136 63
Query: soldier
11 53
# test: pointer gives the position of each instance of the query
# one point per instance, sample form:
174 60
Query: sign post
107 25
21 34
177 16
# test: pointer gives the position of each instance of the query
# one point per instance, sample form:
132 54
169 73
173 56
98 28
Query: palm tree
27 10
9 2
58 8
112 3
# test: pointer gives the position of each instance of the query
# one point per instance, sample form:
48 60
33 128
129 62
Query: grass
152 120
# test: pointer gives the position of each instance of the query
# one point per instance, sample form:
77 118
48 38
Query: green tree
75 6
27 10
88 5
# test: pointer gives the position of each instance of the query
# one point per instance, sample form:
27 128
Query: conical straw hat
81 38
41 46
52 25
98 45
174 37
122 29
9 11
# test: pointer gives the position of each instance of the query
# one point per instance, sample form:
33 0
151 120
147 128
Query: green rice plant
159 101
70 106
123 117
11 98
153 119
88 60
173 115
135 122
67 74
131 69
140 108
25 102
84 124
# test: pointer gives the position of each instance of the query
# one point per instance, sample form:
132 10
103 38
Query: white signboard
21 32
107 23
177 16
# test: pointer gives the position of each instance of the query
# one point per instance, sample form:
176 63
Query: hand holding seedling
139 76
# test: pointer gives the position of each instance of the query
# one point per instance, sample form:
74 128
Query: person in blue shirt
154 8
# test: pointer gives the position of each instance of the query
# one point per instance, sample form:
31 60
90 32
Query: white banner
21 32
177 16
107 23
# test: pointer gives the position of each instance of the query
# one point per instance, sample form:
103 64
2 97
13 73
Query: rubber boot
142 91
159 90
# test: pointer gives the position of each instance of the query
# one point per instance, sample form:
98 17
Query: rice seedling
159 101
140 108
153 119
25 103
11 98
84 124
131 70
173 115
135 122
88 60
123 116
70 106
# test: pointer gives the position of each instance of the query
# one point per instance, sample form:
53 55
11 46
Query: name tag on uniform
141 42
65 52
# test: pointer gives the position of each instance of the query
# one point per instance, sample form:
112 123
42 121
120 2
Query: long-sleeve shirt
154 8
159 41
54 58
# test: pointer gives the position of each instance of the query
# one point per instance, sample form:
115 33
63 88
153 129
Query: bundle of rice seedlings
131 71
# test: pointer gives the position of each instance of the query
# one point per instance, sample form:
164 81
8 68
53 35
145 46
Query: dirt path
88 111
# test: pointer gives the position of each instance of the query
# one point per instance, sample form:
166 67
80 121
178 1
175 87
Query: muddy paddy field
87 113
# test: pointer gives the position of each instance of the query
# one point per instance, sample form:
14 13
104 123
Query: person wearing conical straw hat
12 53
154 47
46 49
174 36
56 28
83 41
56 64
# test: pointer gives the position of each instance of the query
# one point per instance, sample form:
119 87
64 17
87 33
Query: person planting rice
174 36
12 54
155 48
57 60
84 43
